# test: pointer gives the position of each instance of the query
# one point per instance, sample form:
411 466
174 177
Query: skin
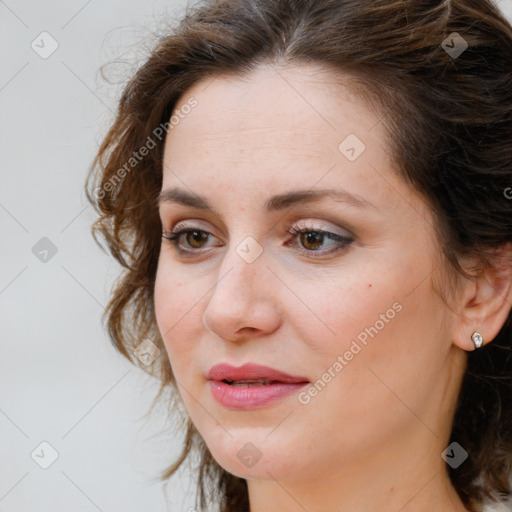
372 438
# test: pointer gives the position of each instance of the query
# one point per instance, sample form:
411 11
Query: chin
264 469
263 460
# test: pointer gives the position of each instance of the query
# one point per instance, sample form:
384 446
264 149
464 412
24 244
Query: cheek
357 326
385 338
176 314
330 317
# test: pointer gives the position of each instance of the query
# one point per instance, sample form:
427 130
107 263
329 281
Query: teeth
248 383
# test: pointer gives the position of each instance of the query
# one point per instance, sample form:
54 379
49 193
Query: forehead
276 130
306 102
292 114
279 130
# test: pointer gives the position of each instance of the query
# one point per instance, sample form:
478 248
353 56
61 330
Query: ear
486 300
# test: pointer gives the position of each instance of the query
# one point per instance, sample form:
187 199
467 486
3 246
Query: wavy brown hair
448 120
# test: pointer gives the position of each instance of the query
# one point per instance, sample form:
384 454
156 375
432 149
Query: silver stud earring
478 339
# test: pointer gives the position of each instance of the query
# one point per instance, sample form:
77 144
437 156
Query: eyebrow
274 203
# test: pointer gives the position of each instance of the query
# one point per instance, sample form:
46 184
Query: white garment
498 507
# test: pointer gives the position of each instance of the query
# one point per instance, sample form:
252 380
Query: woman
312 203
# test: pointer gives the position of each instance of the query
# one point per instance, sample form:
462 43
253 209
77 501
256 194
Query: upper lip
250 371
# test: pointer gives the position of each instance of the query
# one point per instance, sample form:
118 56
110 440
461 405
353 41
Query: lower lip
253 397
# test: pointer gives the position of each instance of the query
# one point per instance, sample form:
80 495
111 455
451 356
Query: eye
312 239
195 238
188 240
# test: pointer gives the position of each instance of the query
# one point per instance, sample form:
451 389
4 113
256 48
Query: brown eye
312 239
195 238
188 240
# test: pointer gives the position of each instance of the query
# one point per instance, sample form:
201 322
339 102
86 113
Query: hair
449 129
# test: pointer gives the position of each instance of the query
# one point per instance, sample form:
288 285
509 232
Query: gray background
61 381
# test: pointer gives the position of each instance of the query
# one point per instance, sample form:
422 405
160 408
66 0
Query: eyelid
314 226
190 224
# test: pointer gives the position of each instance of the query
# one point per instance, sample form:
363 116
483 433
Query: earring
478 339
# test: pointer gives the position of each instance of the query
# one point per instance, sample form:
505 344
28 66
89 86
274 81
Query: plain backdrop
61 382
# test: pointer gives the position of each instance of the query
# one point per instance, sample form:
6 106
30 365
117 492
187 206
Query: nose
242 303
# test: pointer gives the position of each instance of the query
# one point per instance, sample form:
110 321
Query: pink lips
278 385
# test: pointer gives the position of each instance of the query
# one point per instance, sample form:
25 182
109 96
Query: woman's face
355 316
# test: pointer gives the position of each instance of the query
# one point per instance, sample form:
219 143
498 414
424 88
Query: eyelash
344 241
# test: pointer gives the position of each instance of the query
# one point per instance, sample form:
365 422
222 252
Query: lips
251 374
251 386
